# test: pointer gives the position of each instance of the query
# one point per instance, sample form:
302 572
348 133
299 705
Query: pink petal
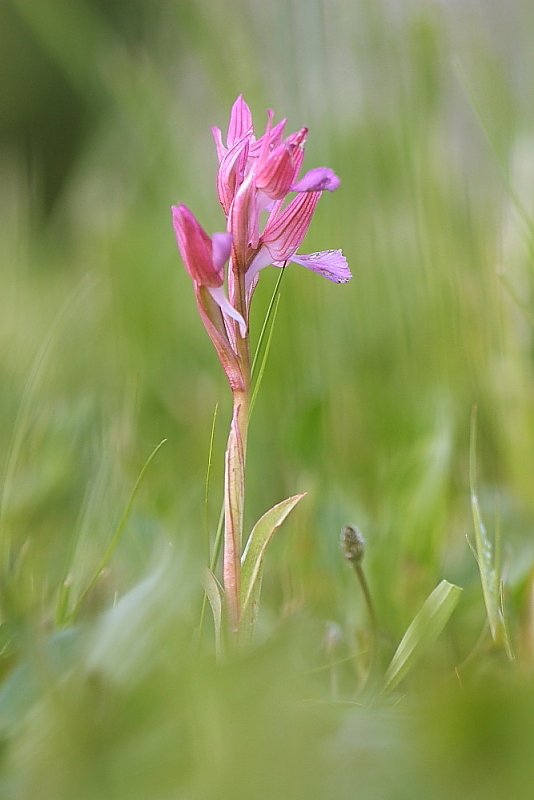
331 264
284 232
240 121
266 138
195 247
231 171
221 149
221 244
243 221
274 137
317 179
277 171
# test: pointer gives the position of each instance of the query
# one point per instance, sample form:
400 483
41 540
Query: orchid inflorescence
254 176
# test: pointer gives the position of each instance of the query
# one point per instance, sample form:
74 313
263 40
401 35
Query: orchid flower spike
254 175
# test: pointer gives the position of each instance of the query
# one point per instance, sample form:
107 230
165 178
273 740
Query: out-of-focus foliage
424 109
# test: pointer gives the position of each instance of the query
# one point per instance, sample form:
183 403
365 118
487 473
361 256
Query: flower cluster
254 176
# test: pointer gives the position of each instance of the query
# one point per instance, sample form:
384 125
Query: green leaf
258 540
29 400
489 572
425 628
126 638
213 593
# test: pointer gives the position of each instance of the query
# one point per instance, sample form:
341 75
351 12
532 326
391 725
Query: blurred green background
425 111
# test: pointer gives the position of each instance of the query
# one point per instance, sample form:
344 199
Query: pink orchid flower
256 175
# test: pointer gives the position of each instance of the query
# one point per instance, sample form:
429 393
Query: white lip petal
224 304
262 259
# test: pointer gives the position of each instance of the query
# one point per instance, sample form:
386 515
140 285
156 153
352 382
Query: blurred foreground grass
424 110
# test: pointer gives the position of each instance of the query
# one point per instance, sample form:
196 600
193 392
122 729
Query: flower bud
352 544
196 249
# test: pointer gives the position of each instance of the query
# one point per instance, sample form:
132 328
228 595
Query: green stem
234 496
234 462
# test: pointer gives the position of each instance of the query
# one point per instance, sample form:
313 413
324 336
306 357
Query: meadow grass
366 403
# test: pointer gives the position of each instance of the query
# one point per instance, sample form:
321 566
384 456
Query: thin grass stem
266 322
217 544
207 487
264 357
118 530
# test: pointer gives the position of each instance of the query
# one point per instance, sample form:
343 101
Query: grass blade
425 628
29 395
264 358
212 566
266 322
120 527
207 485
489 573
258 540
213 593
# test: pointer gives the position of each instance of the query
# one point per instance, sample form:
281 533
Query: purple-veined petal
231 171
219 146
243 221
285 231
224 304
331 264
317 180
274 136
277 171
221 245
266 138
240 121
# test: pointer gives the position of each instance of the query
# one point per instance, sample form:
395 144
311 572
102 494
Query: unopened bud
352 544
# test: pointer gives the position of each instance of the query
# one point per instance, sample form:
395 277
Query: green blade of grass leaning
490 138
207 486
424 629
217 544
213 592
29 395
265 323
267 329
489 575
116 536
264 357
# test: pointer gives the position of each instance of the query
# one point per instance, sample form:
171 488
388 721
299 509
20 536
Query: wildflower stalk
235 458
254 176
